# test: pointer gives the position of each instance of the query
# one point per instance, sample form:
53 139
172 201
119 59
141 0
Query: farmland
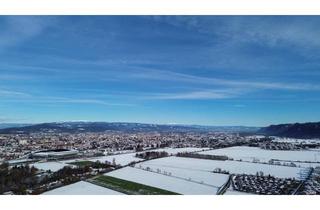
174 151
82 188
255 153
237 167
129 187
52 166
175 170
187 175
120 159
161 181
125 158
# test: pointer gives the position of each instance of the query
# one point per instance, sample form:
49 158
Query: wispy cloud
17 29
204 94
131 71
20 97
180 77
83 101
11 77
11 93
266 30
143 73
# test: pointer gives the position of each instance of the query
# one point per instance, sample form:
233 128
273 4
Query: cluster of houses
266 185
312 185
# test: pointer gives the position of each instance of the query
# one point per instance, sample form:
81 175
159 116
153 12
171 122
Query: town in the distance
99 158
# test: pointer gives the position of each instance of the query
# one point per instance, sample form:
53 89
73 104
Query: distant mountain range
295 130
13 125
81 127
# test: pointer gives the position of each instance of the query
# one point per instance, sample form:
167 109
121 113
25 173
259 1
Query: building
55 154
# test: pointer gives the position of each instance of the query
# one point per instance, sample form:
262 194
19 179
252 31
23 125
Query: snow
236 167
251 153
124 159
19 161
121 159
82 188
233 192
296 141
118 152
174 151
206 177
162 181
53 166
300 164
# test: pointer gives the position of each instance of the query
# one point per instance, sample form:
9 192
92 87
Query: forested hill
295 130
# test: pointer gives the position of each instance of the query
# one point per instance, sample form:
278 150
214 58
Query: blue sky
211 70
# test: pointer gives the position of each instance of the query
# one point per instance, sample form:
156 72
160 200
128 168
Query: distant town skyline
204 70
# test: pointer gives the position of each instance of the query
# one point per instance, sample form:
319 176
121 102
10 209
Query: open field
236 167
121 159
81 163
53 166
166 182
129 187
126 158
82 188
299 164
200 176
251 153
233 192
174 151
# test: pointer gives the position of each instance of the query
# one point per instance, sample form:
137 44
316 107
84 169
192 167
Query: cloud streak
268 30
17 29
180 77
21 97
11 93
130 71
201 95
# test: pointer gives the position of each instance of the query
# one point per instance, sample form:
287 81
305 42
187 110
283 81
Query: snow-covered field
162 181
121 159
300 164
231 166
82 188
174 151
206 177
53 166
126 158
118 152
233 192
251 153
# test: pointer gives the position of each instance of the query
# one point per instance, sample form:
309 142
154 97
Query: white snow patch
186 173
82 188
233 192
236 167
121 159
251 153
174 151
126 158
53 166
162 181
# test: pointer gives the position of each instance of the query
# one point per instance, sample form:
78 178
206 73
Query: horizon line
177 124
